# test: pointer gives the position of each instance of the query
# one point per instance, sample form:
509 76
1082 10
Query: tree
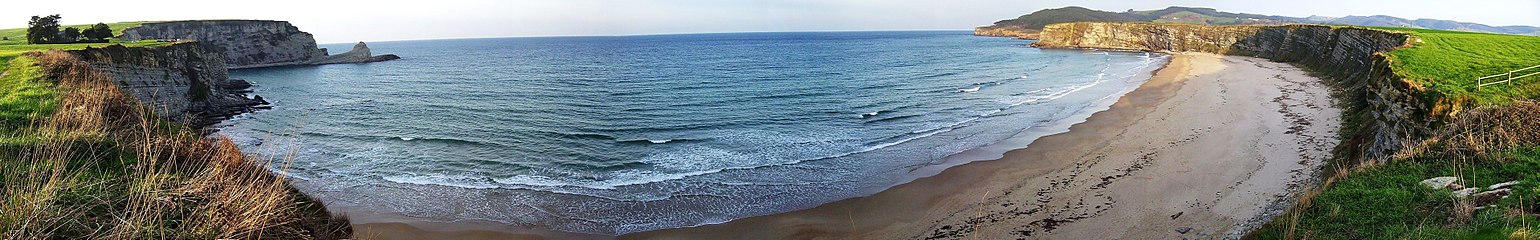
43 29
87 33
71 34
100 31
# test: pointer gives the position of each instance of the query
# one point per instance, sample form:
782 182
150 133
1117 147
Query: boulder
1462 193
1439 182
1504 185
1489 197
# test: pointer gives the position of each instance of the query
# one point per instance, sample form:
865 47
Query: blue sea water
614 135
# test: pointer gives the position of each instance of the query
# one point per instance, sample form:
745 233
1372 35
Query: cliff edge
252 43
185 83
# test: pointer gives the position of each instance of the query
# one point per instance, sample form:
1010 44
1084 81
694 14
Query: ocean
613 135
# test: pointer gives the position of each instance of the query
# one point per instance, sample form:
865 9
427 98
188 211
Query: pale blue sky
344 21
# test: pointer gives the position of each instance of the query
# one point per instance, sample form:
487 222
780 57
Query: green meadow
1450 62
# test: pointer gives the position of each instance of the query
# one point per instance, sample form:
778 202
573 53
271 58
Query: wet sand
1211 143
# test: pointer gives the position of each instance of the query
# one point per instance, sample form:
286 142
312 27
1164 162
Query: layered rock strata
1008 31
250 43
185 83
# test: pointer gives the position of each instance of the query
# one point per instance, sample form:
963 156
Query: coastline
388 225
1068 184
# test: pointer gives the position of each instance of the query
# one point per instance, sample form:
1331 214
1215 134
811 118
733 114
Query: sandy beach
1211 145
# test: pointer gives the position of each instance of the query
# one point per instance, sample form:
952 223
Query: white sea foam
870 114
451 181
773 157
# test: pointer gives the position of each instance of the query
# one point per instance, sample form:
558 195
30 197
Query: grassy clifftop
19 35
80 159
1451 61
17 43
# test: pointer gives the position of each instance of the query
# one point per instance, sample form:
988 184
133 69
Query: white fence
1506 77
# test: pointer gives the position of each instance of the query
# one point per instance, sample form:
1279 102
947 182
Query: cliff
249 43
1354 57
186 83
1006 31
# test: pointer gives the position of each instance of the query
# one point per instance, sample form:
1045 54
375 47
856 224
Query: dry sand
1211 143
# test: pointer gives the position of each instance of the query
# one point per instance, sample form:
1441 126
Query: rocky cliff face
1354 57
185 83
245 43
1009 31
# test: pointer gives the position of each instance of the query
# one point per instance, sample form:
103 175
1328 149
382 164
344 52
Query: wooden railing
1482 82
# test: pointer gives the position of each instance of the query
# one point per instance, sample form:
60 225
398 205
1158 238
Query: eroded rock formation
359 54
185 83
250 43
1354 57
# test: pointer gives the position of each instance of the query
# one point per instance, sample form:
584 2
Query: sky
348 21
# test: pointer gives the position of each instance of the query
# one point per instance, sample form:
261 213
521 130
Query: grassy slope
1195 18
64 174
22 98
81 160
1384 201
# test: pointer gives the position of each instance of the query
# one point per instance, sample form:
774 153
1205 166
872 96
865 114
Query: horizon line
653 34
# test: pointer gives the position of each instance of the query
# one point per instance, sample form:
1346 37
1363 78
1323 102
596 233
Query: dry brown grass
177 184
1487 132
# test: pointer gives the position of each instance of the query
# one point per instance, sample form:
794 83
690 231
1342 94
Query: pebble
1183 230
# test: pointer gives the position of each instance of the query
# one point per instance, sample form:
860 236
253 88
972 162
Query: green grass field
1195 18
1450 62
17 44
24 98
19 35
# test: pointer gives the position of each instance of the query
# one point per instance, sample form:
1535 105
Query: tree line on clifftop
45 30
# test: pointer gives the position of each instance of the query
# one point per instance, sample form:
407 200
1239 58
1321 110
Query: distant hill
1036 20
1041 18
